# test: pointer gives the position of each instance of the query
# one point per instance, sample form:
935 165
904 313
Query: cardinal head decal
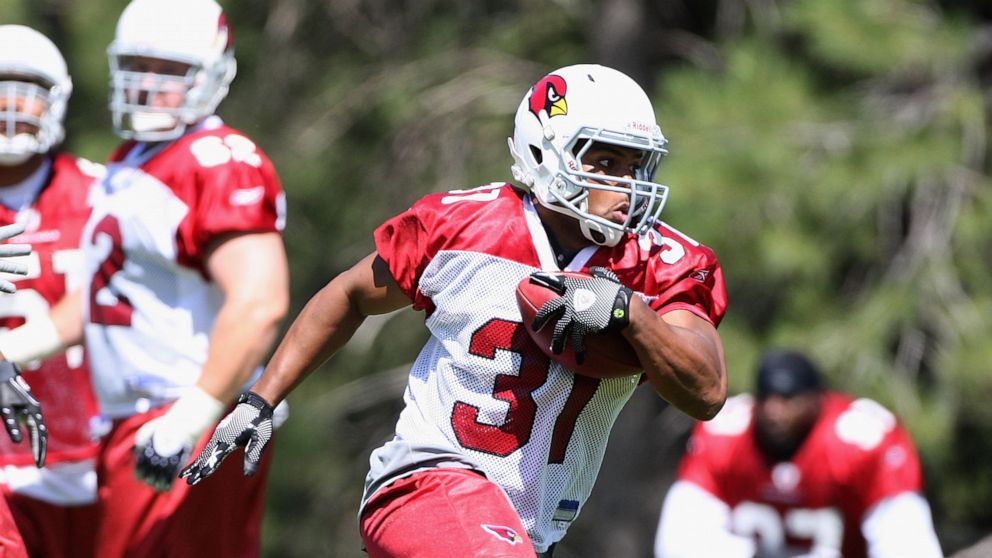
548 97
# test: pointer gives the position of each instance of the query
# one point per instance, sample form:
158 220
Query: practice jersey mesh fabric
481 393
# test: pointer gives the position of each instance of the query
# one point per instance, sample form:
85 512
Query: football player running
498 445
798 470
46 190
185 284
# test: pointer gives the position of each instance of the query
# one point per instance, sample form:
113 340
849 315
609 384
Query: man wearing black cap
797 471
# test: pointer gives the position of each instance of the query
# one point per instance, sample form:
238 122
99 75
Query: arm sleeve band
694 523
37 339
901 526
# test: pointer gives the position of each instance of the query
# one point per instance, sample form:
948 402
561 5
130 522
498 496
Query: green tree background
834 154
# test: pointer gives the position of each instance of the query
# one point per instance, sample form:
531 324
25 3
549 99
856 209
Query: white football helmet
32 73
560 118
193 32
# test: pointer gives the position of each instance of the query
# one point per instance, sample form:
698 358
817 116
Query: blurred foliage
834 154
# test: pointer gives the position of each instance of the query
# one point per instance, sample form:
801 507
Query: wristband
8 370
37 339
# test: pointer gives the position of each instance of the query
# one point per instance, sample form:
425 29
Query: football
608 355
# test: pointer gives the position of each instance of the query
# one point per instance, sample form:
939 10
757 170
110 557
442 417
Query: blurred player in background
47 191
798 470
185 284
18 406
499 446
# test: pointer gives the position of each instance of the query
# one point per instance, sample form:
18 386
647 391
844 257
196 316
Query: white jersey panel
480 389
131 249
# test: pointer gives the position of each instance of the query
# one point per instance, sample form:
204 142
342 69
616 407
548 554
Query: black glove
18 405
249 425
157 467
586 305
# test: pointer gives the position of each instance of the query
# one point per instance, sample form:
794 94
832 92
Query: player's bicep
692 322
250 269
371 288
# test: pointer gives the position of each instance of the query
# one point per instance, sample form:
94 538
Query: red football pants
51 530
443 512
11 544
221 516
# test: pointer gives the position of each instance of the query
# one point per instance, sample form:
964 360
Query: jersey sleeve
402 242
236 195
685 275
239 197
892 468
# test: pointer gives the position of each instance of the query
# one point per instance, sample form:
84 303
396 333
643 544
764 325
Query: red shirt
61 383
856 455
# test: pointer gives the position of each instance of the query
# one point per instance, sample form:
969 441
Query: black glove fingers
562 328
253 453
38 435
207 462
603 273
211 461
10 423
551 309
549 281
579 344
158 470
261 435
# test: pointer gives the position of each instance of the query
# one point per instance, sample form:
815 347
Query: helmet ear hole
536 154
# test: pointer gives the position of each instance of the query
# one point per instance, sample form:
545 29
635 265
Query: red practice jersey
481 393
53 224
856 455
150 303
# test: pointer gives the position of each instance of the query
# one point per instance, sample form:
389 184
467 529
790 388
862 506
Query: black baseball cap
786 373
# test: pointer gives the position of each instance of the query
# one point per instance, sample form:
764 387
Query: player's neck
12 175
563 233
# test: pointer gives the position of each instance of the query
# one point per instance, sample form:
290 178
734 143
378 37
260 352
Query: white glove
12 251
163 444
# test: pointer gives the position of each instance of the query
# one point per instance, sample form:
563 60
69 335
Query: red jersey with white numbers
482 394
150 303
53 223
856 455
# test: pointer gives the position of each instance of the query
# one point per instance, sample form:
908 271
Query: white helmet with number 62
34 91
560 118
192 33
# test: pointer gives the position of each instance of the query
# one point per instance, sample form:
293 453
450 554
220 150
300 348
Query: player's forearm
324 325
327 322
45 335
67 315
242 335
684 364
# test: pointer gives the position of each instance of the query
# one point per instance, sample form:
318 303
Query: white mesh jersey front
481 393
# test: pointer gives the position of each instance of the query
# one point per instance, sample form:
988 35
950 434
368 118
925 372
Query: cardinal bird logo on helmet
547 97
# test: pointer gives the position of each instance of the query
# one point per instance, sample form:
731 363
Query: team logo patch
503 533
547 98
247 196
583 299
700 275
